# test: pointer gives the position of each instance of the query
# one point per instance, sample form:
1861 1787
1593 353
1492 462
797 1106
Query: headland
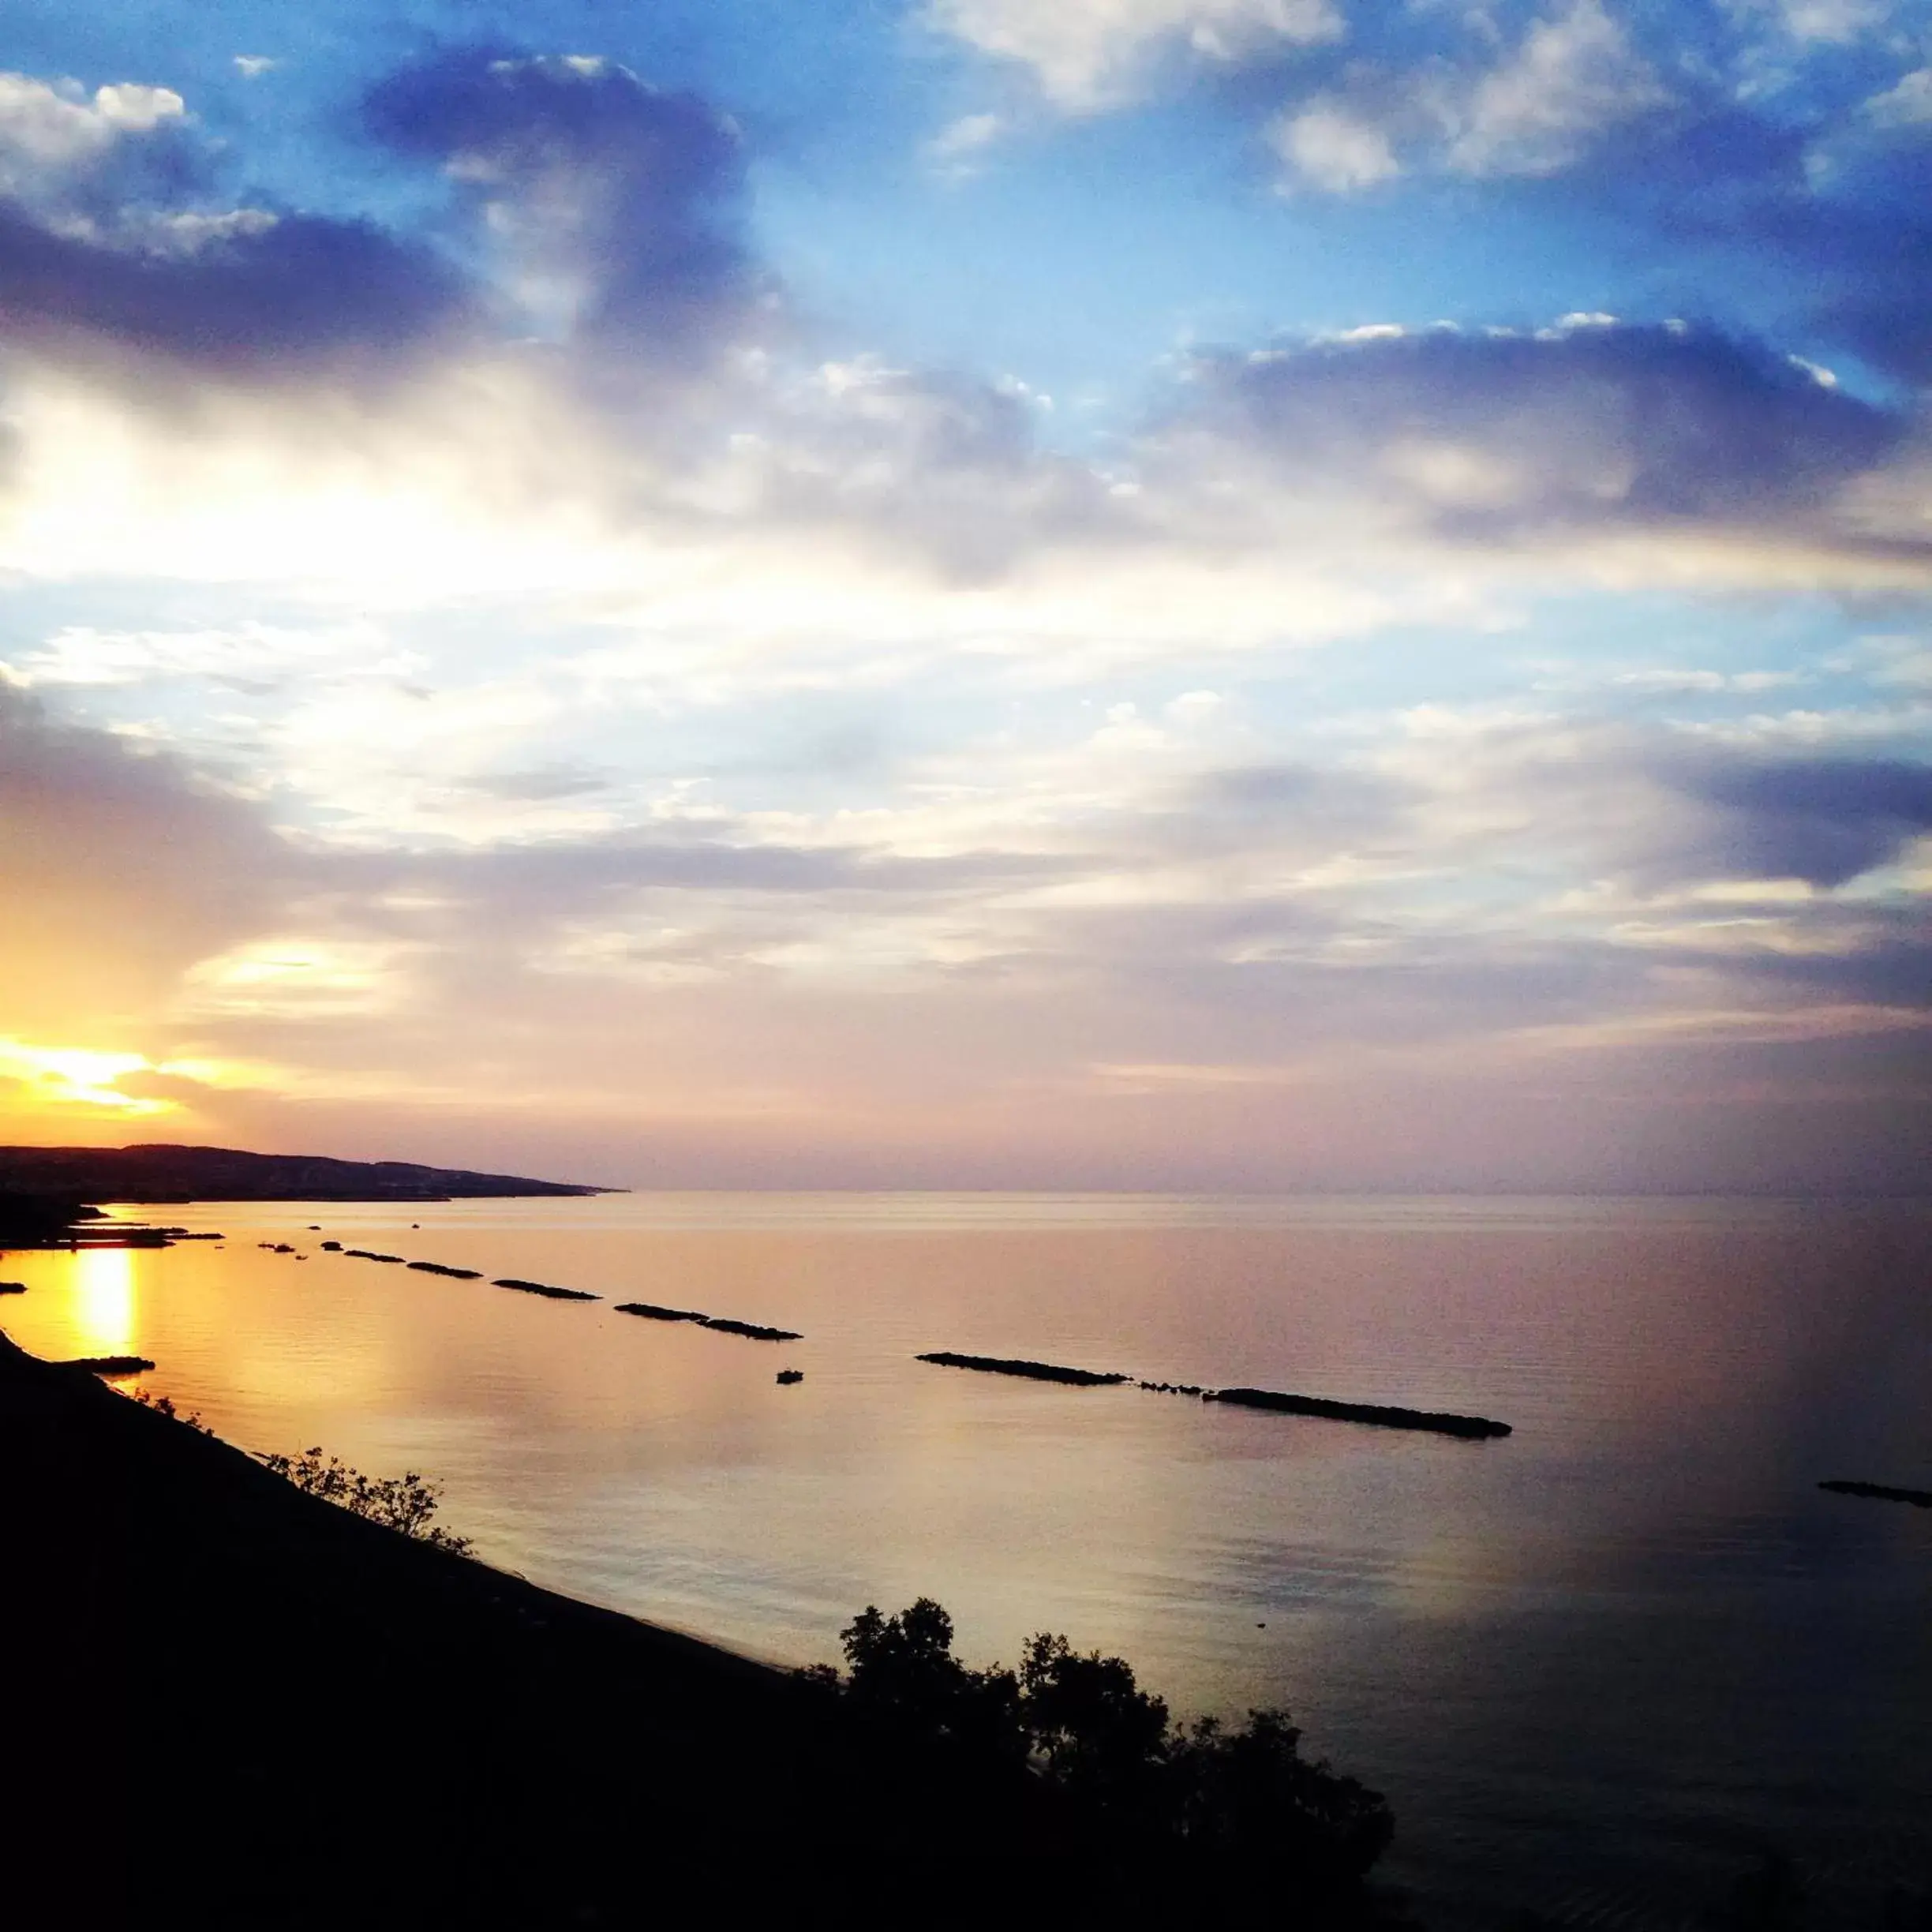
160 1172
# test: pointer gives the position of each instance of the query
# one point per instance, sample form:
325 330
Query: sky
1234 594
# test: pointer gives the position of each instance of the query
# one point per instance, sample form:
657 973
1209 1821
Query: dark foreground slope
219 1688
225 1702
162 1173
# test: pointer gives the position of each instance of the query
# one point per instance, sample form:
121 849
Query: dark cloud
1757 176
617 207
1585 424
1824 820
1656 813
1885 959
251 299
1868 246
623 199
1817 211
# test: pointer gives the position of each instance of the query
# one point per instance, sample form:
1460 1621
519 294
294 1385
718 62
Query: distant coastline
161 1173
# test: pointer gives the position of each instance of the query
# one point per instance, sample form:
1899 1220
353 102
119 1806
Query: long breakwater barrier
1880 1492
753 1331
651 1310
1033 1371
1377 1415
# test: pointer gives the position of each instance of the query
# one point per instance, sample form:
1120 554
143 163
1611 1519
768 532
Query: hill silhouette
158 1171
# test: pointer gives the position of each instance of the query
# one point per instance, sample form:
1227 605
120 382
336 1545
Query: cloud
613 204
1907 104
1087 54
1834 22
1575 78
610 210
258 300
1571 83
120 867
1730 848
109 245
1331 147
48 129
1825 820
1593 424
959 149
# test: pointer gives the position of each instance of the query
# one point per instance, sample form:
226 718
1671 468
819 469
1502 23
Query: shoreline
187 1638
297 1717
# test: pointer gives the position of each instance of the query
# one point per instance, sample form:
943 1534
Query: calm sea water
1599 1667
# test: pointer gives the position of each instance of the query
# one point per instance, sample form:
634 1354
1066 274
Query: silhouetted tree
1240 1814
1249 1795
1097 1732
905 1676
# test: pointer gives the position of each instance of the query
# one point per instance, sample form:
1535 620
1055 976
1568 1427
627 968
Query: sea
1606 1668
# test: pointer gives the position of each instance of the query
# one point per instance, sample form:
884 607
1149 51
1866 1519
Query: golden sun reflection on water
104 1302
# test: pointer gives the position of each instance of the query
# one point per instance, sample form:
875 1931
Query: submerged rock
455 1274
12 1287
786 1377
110 1365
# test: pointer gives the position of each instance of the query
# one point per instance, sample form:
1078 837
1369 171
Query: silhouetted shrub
403 1503
164 1405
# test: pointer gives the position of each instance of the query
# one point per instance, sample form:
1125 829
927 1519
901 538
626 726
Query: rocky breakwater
752 1331
1032 1371
1376 1414
1880 1492
544 1289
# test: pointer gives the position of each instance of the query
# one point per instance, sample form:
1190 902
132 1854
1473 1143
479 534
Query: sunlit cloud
58 1078
298 977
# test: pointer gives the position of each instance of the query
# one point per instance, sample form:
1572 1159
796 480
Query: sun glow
65 1076
104 1304
86 1078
